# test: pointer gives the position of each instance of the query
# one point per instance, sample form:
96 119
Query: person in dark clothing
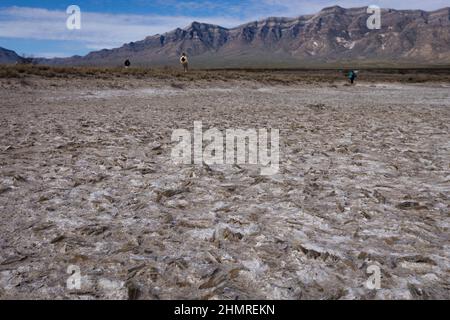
352 76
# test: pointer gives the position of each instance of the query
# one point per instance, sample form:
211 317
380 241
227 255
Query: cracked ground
86 179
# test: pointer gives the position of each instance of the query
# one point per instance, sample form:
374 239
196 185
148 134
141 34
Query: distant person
127 63
184 62
352 75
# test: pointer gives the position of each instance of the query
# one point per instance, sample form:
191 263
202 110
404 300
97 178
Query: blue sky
38 28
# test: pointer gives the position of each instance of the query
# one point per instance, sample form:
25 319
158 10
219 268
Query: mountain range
333 35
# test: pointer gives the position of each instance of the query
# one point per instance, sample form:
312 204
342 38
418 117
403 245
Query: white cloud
98 30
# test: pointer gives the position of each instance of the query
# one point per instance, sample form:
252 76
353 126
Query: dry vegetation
270 76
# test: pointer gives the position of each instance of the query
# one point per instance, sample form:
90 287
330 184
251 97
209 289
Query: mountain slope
333 34
9 56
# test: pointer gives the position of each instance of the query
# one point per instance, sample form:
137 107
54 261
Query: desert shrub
9 73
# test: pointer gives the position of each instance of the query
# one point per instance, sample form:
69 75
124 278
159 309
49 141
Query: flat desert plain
92 207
